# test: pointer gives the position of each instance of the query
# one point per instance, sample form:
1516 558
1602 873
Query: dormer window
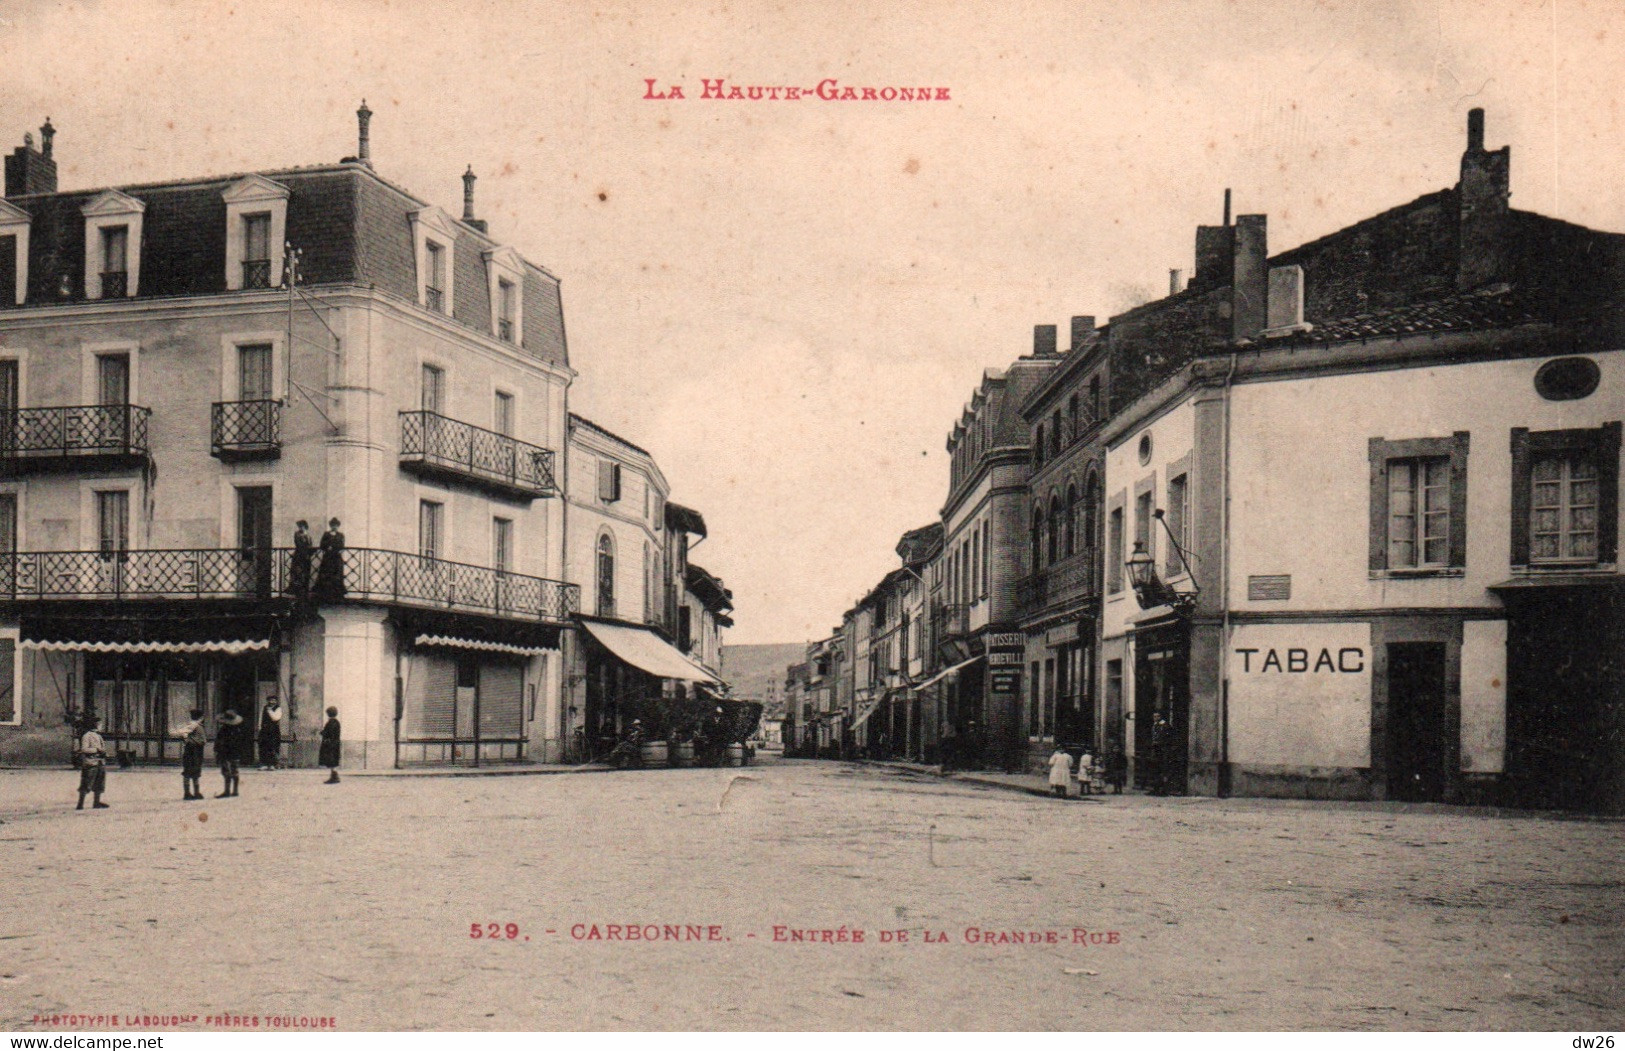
434 280
505 275
14 226
113 246
256 232
434 237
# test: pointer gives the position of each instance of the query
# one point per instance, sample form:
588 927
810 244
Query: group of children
1060 774
229 745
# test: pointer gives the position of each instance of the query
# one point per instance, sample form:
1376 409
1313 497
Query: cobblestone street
355 902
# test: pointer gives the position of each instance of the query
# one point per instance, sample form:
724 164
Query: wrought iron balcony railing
41 439
246 430
115 284
256 273
434 299
437 445
1073 580
367 575
505 330
952 620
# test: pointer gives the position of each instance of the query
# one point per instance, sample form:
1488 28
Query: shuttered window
501 688
431 697
609 481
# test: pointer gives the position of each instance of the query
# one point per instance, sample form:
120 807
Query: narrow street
355 903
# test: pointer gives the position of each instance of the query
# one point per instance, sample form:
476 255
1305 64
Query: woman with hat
228 748
332 747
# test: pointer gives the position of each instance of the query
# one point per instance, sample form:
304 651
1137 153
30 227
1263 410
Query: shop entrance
1417 739
1161 689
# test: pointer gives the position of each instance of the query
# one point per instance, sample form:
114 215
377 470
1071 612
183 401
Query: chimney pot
46 134
1475 129
1082 325
468 194
1227 206
1176 281
363 117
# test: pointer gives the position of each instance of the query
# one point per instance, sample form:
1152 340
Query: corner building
189 367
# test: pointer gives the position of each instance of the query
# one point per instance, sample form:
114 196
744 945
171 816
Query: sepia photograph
1058 517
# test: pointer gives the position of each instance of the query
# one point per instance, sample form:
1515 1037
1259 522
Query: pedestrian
270 737
332 749
193 740
1116 768
228 750
304 552
1060 771
1086 772
1162 733
330 574
92 764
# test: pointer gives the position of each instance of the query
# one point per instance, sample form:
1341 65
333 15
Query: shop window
1565 497
1419 504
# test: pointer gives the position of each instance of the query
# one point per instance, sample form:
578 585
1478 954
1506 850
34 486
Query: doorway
254 540
1161 689
1417 752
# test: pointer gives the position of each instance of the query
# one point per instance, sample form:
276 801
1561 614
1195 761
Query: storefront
629 671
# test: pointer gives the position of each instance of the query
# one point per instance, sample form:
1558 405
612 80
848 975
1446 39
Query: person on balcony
304 552
330 574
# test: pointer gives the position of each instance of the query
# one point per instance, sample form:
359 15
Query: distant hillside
749 669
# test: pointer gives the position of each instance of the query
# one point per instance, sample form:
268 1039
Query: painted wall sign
1004 657
1007 640
1005 680
1296 660
1063 634
1300 694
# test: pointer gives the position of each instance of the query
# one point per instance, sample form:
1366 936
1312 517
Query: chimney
469 179
1286 301
1483 193
1227 206
1214 248
1176 282
29 170
363 117
1249 283
1082 326
1044 341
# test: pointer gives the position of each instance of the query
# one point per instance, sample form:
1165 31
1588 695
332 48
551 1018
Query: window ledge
1447 572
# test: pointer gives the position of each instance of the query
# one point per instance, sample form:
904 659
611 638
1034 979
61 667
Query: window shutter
1458 498
1378 548
615 481
1608 493
1520 496
604 492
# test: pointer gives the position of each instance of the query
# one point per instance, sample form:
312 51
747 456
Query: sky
790 303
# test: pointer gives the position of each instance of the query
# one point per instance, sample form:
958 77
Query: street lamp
1141 569
1149 589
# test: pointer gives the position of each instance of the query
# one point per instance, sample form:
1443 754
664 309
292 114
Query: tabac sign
1300 694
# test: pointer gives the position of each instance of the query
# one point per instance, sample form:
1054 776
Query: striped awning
214 646
944 673
454 642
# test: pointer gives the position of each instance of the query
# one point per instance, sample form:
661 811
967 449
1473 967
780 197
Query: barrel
736 755
682 754
654 753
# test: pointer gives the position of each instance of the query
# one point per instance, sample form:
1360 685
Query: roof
684 519
1498 306
577 420
709 590
920 545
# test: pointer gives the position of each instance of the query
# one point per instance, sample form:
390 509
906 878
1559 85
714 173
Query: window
975 564
505 311
8 684
254 372
257 250
1072 417
1038 446
8 529
609 481
606 576
113 522
1094 399
685 634
113 379
1563 509
1055 440
1418 512
987 557
502 544
1054 529
431 518
115 262
1177 519
1047 729
502 414
14 228
1034 698
1035 540
1142 524
1114 550
434 382
1419 504
1069 517
434 277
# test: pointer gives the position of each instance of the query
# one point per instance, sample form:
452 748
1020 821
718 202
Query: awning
945 672
455 642
215 646
684 519
642 648
868 710
146 633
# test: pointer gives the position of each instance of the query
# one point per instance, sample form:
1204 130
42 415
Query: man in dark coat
332 746
228 751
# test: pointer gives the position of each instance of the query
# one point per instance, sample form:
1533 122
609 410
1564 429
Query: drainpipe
1224 595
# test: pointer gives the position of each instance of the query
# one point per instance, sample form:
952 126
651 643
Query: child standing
92 764
331 747
228 749
192 741
1060 772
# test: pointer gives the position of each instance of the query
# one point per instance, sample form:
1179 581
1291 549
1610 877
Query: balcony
434 299
952 621
437 446
391 578
246 430
115 284
1075 580
73 437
